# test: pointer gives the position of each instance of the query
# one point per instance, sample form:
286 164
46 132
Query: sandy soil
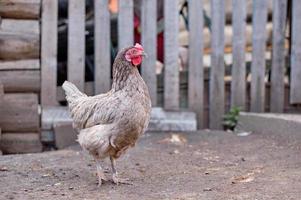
203 165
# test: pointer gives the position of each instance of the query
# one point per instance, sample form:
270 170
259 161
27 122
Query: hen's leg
100 173
115 177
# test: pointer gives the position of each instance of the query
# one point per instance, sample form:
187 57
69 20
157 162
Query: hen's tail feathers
71 91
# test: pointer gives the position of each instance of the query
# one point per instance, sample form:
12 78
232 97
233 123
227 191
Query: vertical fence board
102 74
278 56
196 70
238 84
171 68
149 43
49 52
258 59
217 87
76 43
295 93
125 23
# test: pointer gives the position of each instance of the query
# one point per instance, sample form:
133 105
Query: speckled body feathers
110 123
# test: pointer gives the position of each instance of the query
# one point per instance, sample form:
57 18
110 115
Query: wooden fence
196 75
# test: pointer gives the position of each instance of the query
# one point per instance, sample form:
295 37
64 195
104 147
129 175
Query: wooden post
125 23
171 52
217 87
258 55
295 92
149 43
49 52
238 84
102 46
196 70
278 56
76 43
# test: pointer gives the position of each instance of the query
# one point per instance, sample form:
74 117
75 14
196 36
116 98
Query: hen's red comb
138 46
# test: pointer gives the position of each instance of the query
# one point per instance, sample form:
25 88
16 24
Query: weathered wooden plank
196 70
1 98
19 46
49 52
76 43
278 58
64 135
102 75
171 68
20 113
21 80
295 92
20 143
258 60
217 86
20 26
238 84
125 23
20 64
20 9
1 153
149 43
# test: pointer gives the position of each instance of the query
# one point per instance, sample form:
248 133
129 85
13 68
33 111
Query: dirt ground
202 165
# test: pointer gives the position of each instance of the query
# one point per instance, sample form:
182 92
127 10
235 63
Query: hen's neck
125 76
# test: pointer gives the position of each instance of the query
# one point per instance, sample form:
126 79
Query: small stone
57 184
3 169
70 188
207 189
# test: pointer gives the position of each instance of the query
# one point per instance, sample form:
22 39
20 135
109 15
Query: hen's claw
117 180
101 178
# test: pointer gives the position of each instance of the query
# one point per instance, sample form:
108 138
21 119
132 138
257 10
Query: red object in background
160 39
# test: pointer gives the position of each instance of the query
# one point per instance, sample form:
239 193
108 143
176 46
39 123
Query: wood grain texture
12 143
295 92
102 47
125 23
20 9
258 60
20 64
1 99
171 52
20 26
149 43
49 52
15 46
22 81
20 113
76 43
238 84
278 58
217 87
196 69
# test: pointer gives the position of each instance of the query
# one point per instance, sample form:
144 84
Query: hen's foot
100 173
101 178
117 180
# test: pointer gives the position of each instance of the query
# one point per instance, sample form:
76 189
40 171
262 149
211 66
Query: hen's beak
143 54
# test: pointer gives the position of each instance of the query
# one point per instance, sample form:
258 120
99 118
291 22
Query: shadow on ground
202 165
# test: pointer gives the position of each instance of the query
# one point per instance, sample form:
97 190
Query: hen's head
134 54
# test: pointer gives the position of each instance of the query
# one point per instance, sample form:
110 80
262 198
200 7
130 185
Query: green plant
231 118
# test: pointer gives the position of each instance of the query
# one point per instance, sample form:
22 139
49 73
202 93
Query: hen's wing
90 111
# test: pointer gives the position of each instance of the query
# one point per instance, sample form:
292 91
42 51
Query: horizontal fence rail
207 91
